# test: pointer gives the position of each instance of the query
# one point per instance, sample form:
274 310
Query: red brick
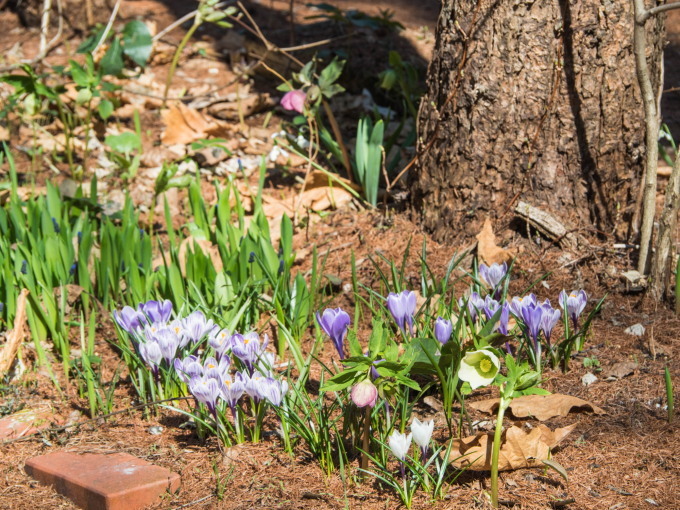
26 422
95 481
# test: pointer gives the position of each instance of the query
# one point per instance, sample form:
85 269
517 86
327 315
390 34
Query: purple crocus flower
294 100
220 340
334 321
532 315
196 326
274 390
490 308
167 341
402 306
129 319
207 390
550 318
503 322
248 349
152 355
494 274
232 389
574 304
475 304
518 303
442 330
156 311
188 368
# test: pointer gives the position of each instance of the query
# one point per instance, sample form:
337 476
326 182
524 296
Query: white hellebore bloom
479 368
422 432
400 444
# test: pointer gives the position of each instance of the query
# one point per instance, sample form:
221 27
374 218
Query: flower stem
366 438
176 57
496 451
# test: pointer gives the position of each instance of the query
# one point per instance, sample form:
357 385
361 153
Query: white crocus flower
422 432
479 368
400 444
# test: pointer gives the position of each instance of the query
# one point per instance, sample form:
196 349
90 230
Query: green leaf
125 142
79 74
343 380
105 109
112 62
89 44
137 42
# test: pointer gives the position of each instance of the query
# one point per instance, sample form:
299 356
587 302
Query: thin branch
105 34
658 10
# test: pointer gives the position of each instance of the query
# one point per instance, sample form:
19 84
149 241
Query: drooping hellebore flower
422 432
494 274
334 322
574 304
479 368
294 100
442 330
402 306
364 394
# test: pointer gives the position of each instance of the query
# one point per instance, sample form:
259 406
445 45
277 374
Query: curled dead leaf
519 449
184 125
487 250
540 407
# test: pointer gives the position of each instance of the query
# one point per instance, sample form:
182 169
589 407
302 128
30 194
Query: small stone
116 481
651 501
156 430
635 330
588 379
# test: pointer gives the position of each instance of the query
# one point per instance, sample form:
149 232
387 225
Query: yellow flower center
485 366
210 365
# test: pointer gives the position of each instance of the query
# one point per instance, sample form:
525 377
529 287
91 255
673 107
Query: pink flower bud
364 394
294 100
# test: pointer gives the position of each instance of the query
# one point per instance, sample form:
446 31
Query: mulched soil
628 458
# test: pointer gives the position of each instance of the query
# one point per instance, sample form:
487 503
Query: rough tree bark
535 101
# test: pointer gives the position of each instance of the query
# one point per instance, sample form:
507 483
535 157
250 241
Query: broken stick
547 225
14 337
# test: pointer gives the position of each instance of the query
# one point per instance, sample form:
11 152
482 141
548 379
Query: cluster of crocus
159 339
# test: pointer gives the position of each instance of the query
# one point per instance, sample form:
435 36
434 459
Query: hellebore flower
188 368
294 100
550 317
156 311
422 432
196 326
474 304
334 321
402 306
574 304
364 394
129 319
493 275
479 368
442 330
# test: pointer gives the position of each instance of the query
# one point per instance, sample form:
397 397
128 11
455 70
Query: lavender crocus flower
167 341
207 390
232 389
196 326
156 311
490 308
255 386
550 318
220 340
494 274
475 304
519 303
533 317
503 328
248 349
274 390
442 330
152 355
129 319
334 321
574 304
402 306
188 368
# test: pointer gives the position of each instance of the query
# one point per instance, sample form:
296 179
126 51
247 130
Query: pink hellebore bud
364 394
294 100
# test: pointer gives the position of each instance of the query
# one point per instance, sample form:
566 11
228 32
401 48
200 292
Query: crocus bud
364 394
400 444
294 100
442 330
402 306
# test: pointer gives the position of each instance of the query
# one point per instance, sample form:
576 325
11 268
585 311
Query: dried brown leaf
487 250
620 370
540 407
519 449
205 246
184 125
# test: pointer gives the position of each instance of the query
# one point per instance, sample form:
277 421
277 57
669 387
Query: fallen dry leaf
540 407
519 449
619 370
185 125
487 250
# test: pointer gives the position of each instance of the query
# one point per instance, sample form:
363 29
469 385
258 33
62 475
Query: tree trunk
535 101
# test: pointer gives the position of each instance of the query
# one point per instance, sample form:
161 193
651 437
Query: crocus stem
366 438
496 451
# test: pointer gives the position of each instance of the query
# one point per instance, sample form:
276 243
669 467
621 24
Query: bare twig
45 25
16 336
105 34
